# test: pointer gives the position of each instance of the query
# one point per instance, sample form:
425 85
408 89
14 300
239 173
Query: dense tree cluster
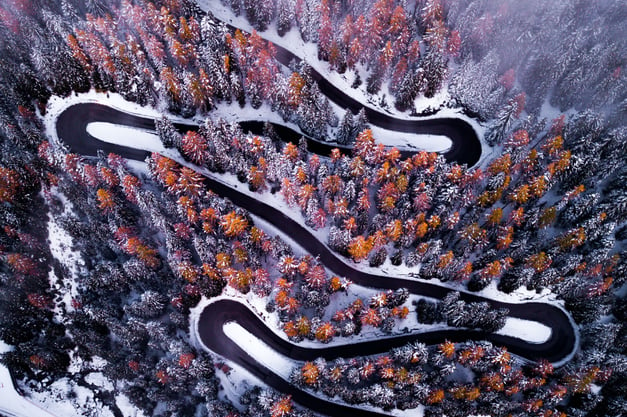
407 44
457 313
545 210
441 377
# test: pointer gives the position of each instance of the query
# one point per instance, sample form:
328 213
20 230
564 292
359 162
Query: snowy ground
71 260
530 331
13 404
63 398
140 138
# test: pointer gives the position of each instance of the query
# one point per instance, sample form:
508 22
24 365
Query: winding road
93 112
71 129
465 149
466 146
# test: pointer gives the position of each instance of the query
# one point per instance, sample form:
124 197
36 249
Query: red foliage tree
106 202
282 408
233 224
194 146
359 248
325 332
310 373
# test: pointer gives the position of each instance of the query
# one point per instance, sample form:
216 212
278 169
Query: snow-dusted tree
151 305
346 130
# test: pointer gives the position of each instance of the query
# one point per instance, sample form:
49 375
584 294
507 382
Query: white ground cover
61 249
530 331
255 347
11 403
134 137
55 400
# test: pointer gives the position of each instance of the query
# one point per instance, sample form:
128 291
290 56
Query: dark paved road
94 112
215 315
71 130
465 149
466 146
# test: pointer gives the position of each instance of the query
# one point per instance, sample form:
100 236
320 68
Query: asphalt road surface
71 130
465 148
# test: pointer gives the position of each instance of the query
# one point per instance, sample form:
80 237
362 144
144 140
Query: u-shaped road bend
94 112
465 144
216 314
71 130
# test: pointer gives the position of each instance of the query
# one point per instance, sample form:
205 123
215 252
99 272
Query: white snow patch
98 379
411 141
262 353
12 403
125 135
127 409
529 331
61 249
56 399
595 389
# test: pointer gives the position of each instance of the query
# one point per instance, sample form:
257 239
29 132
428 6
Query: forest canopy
104 259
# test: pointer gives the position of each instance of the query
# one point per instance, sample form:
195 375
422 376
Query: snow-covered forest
107 258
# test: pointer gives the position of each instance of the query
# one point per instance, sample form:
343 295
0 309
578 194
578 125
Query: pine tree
361 123
285 16
359 248
194 146
345 132
106 200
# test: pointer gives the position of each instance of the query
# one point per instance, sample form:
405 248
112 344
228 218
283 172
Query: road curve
76 117
211 333
466 146
94 112
71 130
